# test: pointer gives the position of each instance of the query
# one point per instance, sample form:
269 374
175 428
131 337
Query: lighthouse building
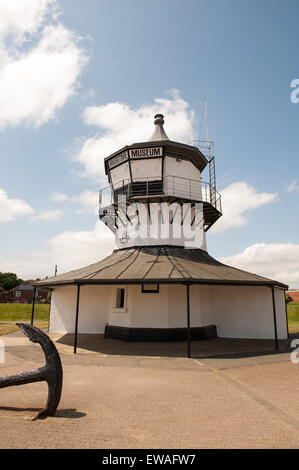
161 283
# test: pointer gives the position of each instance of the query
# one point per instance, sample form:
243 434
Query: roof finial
159 119
159 133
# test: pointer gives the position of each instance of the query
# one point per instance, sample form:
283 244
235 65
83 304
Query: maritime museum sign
147 152
135 153
121 157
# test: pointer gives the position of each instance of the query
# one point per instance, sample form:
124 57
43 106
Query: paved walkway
146 395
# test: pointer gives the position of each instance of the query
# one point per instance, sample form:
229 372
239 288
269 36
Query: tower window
120 298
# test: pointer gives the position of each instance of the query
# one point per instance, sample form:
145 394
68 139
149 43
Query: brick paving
145 395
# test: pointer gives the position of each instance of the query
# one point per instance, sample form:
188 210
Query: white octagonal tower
156 194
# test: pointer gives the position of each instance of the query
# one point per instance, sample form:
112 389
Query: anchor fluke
51 372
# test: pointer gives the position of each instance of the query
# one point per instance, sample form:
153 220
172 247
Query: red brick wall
294 295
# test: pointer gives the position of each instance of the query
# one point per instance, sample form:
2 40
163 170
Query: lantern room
160 170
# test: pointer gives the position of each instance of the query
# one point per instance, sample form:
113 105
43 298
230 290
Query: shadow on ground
69 413
211 348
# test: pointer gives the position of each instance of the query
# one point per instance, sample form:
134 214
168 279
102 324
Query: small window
18 293
120 298
150 288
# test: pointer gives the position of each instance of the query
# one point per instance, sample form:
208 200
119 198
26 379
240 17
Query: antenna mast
207 125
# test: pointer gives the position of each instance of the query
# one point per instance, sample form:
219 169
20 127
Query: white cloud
237 199
58 197
37 81
279 261
72 250
69 250
86 202
89 201
11 209
121 125
20 18
51 215
293 186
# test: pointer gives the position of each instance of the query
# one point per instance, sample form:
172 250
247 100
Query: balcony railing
169 186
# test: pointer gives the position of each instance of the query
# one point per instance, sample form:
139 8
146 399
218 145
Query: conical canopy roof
156 264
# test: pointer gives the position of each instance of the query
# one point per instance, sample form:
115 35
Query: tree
9 280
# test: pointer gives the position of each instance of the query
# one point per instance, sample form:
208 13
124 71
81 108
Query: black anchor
51 372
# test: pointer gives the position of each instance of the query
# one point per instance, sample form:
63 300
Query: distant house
293 294
23 294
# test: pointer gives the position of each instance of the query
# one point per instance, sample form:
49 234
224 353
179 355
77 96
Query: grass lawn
12 313
293 317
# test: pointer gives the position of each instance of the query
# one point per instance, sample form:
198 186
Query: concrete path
144 395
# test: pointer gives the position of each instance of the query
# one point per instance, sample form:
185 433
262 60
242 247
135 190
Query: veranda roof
159 265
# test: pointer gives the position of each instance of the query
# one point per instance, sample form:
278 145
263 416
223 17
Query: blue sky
242 55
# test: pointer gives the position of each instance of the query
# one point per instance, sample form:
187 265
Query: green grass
293 317
12 313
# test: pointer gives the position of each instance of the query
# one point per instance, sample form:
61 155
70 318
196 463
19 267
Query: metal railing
169 186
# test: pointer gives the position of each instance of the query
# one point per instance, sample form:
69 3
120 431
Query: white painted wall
247 312
204 295
181 168
282 328
148 310
93 314
238 312
120 173
150 169
63 309
143 230
200 306
177 307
